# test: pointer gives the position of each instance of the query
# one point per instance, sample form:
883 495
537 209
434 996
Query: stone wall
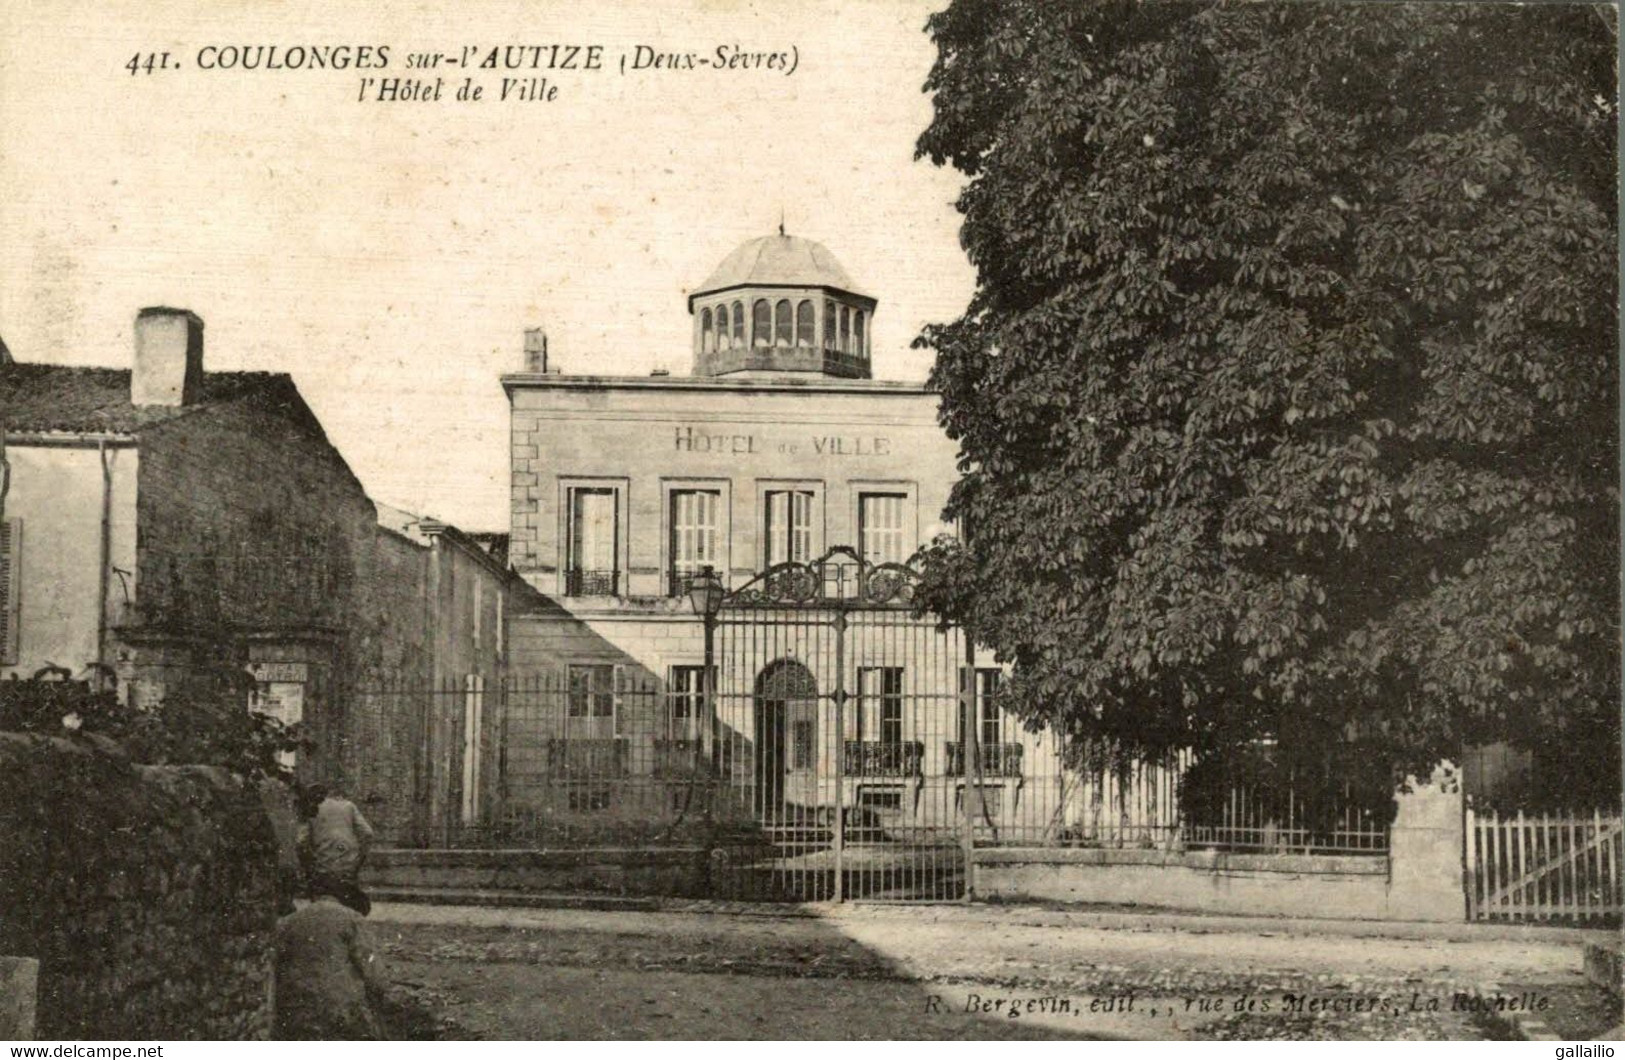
249 518
145 892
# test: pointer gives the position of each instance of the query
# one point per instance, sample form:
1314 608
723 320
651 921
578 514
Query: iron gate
836 718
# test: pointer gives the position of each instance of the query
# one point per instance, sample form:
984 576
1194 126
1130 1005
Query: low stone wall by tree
146 892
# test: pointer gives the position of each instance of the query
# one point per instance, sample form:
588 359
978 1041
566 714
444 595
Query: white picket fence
1545 867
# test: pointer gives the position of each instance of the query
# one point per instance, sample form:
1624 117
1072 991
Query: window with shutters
883 527
880 704
685 697
11 548
593 711
788 523
695 521
592 562
989 716
592 690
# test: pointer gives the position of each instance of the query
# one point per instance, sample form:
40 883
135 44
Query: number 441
147 62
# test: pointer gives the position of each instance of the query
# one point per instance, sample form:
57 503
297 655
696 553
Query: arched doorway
786 732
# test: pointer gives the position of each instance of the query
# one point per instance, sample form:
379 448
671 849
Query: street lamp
705 592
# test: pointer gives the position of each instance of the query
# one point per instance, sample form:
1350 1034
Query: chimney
535 350
168 357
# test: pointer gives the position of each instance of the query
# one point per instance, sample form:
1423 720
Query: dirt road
939 972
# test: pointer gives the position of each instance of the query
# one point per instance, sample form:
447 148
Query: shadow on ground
749 978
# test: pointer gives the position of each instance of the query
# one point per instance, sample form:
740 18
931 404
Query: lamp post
705 592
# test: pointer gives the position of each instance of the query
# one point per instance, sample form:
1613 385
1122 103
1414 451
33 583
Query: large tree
1287 396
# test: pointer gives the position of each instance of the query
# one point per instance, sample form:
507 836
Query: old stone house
164 523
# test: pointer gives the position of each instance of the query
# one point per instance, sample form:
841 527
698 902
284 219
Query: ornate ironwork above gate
840 580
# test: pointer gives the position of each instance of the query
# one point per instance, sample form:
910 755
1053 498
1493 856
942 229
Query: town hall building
780 452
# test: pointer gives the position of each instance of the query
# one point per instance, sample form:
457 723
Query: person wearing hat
327 978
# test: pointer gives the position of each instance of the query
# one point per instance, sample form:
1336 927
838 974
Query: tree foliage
1287 396
208 724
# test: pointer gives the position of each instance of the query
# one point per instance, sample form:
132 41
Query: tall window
592 566
846 330
695 519
739 323
785 325
880 704
591 690
685 695
804 324
707 336
11 546
829 325
722 327
857 332
761 323
989 717
881 526
789 527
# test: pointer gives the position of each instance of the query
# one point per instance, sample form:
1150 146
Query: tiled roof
779 260
57 397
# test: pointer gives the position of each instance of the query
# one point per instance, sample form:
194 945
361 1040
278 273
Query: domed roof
779 260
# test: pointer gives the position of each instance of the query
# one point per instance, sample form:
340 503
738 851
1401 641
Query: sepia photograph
838 520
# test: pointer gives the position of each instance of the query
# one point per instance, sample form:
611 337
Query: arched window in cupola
707 336
722 327
739 323
846 330
829 325
858 333
761 323
804 324
783 333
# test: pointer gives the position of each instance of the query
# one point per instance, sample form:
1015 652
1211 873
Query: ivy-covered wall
146 892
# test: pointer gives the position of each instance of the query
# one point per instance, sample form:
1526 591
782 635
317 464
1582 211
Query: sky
390 254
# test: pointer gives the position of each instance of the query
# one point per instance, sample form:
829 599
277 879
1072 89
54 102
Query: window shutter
11 544
617 685
967 703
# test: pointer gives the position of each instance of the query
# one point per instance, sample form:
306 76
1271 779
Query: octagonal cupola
781 304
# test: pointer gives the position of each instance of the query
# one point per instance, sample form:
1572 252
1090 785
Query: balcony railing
588 759
592 583
882 758
679 582
993 759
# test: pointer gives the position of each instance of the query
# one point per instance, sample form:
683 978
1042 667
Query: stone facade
166 522
420 745
643 438
623 488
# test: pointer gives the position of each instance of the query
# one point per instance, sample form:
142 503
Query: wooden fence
1546 867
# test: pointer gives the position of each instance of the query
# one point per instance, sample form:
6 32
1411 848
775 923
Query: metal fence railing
604 755
1145 805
